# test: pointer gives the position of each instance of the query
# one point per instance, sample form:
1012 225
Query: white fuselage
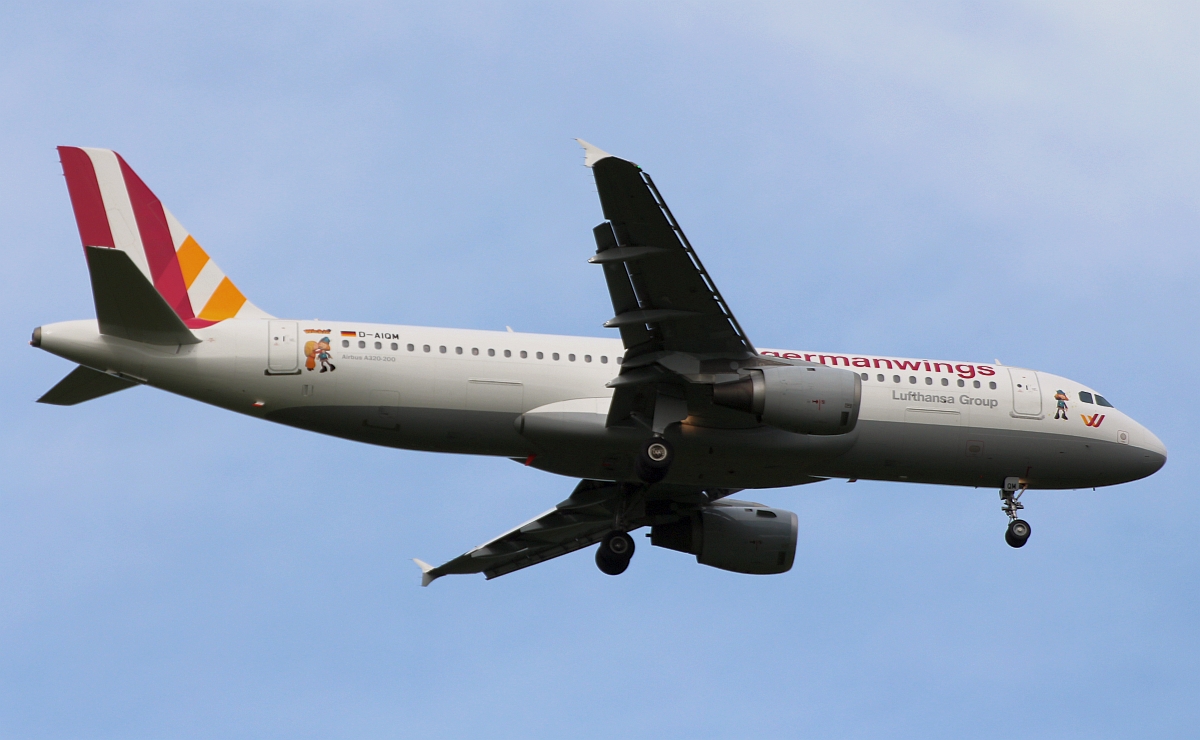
543 399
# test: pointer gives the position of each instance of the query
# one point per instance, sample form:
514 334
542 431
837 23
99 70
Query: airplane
661 425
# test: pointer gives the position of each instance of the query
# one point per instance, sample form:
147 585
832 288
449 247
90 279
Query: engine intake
806 399
739 536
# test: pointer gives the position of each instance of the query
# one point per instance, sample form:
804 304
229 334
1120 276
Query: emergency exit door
283 351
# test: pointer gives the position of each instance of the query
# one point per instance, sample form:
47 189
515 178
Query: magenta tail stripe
156 241
86 200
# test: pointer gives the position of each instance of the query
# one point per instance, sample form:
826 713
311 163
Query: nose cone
1154 452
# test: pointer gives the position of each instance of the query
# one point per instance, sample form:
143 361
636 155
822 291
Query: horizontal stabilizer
127 305
84 384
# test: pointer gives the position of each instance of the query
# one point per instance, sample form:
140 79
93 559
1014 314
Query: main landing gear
654 460
1018 530
614 553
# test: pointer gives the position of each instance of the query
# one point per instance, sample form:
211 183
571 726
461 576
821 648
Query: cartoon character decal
310 355
315 352
1061 411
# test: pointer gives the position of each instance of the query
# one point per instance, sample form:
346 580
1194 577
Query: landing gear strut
1018 530
614 553
654 460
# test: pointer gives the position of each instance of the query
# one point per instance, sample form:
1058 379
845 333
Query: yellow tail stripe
225 302
192 260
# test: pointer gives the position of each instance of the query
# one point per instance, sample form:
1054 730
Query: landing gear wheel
610 567
1018 530
614 553
1017 533
654 460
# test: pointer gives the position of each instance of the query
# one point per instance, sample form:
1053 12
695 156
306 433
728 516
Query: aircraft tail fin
115 210
84 384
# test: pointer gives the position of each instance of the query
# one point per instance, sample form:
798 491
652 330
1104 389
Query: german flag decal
349 334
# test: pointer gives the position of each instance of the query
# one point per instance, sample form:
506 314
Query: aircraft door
1027 392
283 352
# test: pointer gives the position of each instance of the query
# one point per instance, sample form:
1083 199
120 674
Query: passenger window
411 348
541 356
442 349
508 353
912 379
992 385
1085 397
587 358
879 378
945 381
571 358
976 383
425 347
395 346
475 350
620 360
378 345
458 350
345 342
1103 401
491 353
895 378
603 359
866 377
961 383
524 354
362 344
928 380
555 355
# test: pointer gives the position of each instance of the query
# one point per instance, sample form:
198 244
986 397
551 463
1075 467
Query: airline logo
966 371
1093 421
115 209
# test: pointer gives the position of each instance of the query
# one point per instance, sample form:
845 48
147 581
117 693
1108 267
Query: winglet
592 154
426 568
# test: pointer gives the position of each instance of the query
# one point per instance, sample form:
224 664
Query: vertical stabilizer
115 209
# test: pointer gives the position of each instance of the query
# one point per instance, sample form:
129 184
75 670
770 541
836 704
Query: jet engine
734 535
806 399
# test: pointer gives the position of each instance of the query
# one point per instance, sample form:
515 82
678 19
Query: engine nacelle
806 399
734 535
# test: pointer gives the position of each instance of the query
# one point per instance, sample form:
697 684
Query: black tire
1017 533
608 564
654 460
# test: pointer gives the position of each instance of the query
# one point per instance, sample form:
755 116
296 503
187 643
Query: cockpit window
1103 401
1085 397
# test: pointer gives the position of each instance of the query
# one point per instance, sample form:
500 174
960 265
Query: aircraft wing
676 327
663 299
594 509
583 519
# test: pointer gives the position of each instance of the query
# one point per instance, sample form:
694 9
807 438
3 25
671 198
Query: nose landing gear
1018 530
614 553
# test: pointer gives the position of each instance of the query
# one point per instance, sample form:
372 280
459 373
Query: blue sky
1017 181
